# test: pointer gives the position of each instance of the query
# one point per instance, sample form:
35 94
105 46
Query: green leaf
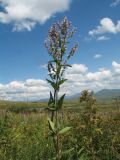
49 81
60 101
51 125
54 57
50 109
69 65
63 49
66 65
51 100
62 81
68 57
58 70
51 61
80 151
67 151
64 130
52 84
63 70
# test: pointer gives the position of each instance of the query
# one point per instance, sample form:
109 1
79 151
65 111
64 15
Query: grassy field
25 135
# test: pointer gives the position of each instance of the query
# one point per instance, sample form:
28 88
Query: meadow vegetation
25 135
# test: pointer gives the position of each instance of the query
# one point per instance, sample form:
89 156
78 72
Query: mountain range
104 94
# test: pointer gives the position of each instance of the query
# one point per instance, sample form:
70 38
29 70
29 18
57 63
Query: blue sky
24 26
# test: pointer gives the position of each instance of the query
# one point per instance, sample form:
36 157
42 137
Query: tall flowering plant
56 44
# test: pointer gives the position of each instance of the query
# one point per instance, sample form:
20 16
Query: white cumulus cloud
77 69
24 14
106 26
116 66
98 76
101 79
33 89
79 78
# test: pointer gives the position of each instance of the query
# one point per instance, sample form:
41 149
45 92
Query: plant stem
57 127
57 139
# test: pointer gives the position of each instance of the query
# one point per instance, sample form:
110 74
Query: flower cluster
58 37
64 26
73 50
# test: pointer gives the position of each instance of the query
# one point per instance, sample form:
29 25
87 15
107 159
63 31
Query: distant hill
107 93
73 97
104 94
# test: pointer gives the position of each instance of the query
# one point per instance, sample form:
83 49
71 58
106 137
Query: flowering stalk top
56 44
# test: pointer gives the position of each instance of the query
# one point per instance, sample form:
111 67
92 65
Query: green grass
25 135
